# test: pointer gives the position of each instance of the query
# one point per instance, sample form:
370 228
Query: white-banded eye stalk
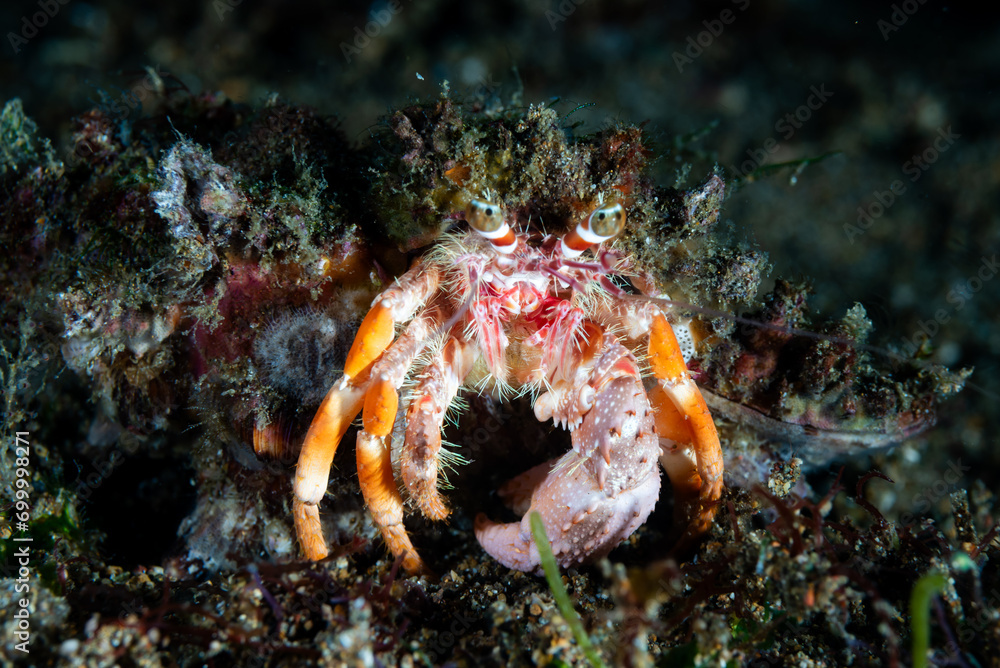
608 221
603 223
484 216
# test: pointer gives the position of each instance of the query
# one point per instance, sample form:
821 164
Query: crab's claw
583 521
595 496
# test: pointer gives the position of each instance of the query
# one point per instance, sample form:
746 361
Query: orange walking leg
694 461
347 397
382 496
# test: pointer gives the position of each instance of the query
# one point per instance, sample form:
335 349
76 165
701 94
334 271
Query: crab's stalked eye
603 223
486 218
608 221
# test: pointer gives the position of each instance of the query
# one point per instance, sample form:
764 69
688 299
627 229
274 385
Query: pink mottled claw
594 497
507 543
582 525
516 492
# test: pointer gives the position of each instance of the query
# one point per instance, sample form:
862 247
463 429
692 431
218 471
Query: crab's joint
665 356
381 402
671 424
334 416
374 336
382 496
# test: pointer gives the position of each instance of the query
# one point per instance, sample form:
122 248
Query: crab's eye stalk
602 224
484 216
487 219
608 221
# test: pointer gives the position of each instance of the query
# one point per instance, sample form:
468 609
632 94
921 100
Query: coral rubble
199 272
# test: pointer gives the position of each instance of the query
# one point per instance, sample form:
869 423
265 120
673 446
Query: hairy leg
347 397
420 457
593 498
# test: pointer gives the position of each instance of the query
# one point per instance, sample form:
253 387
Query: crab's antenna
568 280
464 308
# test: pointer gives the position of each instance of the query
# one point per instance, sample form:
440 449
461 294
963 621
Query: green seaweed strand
920 613
559 591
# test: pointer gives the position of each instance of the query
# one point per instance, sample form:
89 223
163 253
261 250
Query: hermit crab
508 311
